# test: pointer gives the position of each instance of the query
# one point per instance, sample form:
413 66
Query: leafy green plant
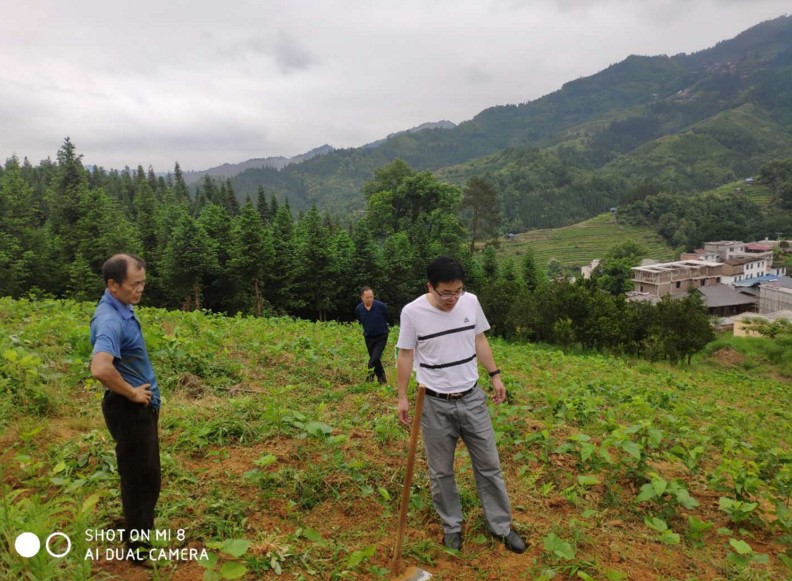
696 530
225 562
666 495
666 535
558 548
738 510
689 456
741 554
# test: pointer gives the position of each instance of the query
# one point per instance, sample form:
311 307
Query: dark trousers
376 345
134 429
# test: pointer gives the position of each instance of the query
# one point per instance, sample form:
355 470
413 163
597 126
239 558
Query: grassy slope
578 245
269 434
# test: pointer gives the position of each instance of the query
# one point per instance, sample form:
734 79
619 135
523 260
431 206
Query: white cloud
206 83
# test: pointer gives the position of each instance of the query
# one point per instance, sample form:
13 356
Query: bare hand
498 390
403 409
141 394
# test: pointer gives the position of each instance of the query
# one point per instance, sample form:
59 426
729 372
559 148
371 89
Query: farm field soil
282 463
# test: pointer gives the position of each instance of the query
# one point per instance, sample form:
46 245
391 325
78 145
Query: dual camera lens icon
28 545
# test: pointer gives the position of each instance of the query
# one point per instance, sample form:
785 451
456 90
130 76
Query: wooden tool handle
405 499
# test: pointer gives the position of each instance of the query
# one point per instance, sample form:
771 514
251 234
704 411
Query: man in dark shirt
132 398
374 317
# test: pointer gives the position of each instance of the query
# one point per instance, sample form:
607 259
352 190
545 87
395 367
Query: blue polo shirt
116 330
374 321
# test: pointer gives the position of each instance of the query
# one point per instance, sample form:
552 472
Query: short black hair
364 289
444 269
115 268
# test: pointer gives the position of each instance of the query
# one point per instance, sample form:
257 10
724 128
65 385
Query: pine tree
218 285
344 295
313 264
229 198
263 206
67 190
530 273
180 190
189 259
279 293
366 267
18 253
252 255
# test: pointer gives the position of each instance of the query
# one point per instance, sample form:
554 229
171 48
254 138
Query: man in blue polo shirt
132 399
374 317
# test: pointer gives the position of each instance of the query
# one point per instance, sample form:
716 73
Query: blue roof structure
756 280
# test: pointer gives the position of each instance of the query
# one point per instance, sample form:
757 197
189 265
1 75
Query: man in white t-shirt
442 334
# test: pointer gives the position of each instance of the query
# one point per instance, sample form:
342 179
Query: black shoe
453 541
514 542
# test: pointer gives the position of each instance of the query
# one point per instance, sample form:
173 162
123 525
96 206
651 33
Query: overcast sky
203 83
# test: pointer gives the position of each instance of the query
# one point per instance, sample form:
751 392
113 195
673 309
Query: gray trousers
443 423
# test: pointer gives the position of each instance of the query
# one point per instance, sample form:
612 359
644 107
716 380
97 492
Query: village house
742 260
588 269
675 278
775 296
722 300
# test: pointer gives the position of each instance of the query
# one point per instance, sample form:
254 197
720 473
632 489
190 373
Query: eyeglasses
448 295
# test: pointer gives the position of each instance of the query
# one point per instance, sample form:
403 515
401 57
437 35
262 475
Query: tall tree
366 267
530 272
480 204
229 198
280 292
189 259
262 205
614 273
180 190
252 254
19 244
314 259
218 284
65 195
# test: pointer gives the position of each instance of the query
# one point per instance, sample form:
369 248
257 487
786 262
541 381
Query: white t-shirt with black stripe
444 342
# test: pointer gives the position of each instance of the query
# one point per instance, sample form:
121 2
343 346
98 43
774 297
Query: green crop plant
738 510
224 560
637 443
696 530
665 535
737 476
741 554
666 495
689 456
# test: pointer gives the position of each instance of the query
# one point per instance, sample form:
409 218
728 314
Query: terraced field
578 245
756 193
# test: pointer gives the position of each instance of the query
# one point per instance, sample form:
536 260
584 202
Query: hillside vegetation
577 245
279 460
683 123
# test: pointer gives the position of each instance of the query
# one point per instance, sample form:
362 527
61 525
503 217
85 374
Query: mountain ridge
589 122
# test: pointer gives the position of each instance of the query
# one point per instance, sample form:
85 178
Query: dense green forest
61 221
733 213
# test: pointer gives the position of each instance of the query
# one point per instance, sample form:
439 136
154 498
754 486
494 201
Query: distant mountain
679 123
431 125
228 170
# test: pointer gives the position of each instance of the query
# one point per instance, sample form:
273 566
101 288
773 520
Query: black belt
448 396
